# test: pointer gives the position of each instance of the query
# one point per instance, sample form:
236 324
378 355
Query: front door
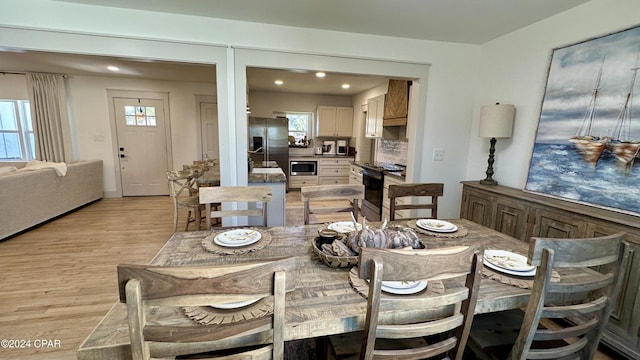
142 147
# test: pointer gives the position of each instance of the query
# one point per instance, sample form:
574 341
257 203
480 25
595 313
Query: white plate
343 226
510 272
508 260
237 237
436 225
235 304
416 288
400 284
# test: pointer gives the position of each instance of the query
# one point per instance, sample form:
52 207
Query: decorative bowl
332 260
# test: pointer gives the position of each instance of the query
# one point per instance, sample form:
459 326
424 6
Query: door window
140 115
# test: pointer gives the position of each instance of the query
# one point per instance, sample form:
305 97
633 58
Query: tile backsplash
392 151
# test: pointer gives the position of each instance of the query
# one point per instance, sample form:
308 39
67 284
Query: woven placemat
361 286
212 247
207 315
521 282
461 232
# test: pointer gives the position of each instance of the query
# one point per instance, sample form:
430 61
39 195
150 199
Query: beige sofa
28 198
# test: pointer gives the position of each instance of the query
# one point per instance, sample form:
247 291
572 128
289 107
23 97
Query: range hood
396 103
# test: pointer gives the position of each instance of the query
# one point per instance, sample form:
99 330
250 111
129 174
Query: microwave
303 168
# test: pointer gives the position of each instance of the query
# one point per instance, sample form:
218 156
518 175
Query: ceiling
464 21
295 81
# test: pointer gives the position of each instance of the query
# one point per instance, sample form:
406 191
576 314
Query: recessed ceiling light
346 86
278 82
113 68
320 74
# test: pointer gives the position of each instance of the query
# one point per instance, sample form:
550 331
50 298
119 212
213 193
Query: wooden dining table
323 303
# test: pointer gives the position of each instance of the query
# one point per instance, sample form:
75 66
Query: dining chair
207 164
214 196
184 193
414 192
157 290
443 333
563 319
327 199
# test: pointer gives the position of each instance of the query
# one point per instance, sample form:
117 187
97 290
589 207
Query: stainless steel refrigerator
269 141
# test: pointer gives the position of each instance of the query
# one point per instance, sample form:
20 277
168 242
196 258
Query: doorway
141 144
208 115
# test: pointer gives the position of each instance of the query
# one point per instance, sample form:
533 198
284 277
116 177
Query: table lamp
496 121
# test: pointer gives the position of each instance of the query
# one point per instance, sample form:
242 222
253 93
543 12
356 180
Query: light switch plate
438 154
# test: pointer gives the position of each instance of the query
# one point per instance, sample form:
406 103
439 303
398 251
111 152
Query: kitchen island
276 179
269 175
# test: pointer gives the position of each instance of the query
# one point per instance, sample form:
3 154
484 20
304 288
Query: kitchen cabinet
355 175
392 180
334 121
375 114
334 171
524 215
297 182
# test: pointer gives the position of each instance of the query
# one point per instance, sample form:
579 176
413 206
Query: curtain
49 116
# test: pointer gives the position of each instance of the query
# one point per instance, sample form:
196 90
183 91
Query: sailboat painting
587 147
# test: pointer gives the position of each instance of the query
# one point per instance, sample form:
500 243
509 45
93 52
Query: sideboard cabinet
523 215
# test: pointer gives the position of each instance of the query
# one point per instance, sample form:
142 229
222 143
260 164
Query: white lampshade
496 121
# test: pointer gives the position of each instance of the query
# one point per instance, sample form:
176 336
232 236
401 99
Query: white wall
13 87
445 112
514 70
265 103
461 78
90 113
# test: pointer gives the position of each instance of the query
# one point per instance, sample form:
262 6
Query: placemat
361 286
461 232
207 315
212 247
523 283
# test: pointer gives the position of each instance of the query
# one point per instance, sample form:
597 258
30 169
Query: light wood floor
58 280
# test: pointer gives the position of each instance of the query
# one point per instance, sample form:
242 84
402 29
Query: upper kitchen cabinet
387 114
375 112
334 121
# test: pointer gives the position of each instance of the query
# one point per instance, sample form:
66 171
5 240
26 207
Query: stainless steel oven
303 168
373 181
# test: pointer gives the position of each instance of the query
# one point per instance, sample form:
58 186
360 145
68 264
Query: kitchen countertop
266 175
321 156
365 164
395 174
211 177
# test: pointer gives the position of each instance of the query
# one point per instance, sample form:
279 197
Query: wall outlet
438 154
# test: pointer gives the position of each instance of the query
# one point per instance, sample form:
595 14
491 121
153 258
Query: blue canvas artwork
588 139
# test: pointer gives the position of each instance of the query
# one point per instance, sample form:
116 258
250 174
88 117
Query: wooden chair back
218 195
322 197
452 310
146 287
581 318
184 193
432 190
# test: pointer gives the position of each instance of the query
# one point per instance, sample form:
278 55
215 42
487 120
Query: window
300 125
17 140
140 115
